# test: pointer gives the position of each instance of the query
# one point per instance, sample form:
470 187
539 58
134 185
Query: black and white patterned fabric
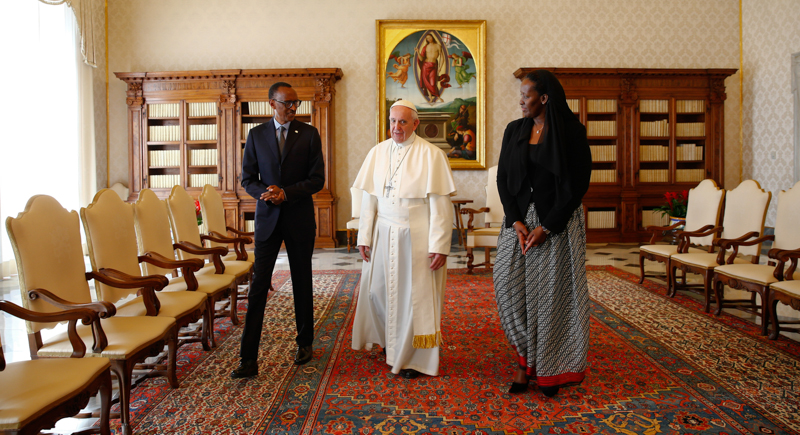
543 300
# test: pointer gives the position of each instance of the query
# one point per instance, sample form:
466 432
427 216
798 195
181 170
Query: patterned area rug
658 365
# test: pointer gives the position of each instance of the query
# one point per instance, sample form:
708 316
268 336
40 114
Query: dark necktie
281 141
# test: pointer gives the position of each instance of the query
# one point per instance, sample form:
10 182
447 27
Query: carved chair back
183 220
111 238
213 213
152 229
703 208
46 239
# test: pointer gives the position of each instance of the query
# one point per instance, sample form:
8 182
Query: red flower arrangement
676 204
198 212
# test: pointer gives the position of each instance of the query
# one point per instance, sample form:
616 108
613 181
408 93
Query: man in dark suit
282 167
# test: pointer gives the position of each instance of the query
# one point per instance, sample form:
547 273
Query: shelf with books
604 218
664 137
204 116
651 217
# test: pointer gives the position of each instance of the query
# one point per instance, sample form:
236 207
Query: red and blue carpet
658 365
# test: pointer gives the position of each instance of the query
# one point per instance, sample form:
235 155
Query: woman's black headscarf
564 146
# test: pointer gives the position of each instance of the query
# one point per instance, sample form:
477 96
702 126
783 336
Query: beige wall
771 34
158 35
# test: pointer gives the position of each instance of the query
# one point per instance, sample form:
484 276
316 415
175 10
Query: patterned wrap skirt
543 301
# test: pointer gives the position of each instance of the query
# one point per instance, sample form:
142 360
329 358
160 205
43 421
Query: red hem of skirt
551 381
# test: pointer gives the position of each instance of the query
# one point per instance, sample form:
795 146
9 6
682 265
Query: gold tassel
428 341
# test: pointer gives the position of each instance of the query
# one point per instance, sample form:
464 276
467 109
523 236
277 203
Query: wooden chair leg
210 312
719 294
124 371
207 328
773 313
487 258
105 403
765 311
470 261
233 308
641 268
707 277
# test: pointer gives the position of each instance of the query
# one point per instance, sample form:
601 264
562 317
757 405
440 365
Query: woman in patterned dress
540 276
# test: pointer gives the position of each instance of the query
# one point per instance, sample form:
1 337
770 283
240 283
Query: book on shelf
200 180
202 109
658 128
653 153
601 106
601 128
163 110
203 157
305 108
165 181
259 108
574 104
604 153
689 175
654 175
249 226
203 132
689 152
690 106
690 129
654 218
603 176
247 126
164 158
164 133
597 219
654 106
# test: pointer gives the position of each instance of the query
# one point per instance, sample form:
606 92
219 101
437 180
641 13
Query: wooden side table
457 203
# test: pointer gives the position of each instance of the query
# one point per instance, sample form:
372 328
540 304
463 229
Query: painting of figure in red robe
436 71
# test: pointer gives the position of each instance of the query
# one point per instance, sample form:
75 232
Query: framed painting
440 66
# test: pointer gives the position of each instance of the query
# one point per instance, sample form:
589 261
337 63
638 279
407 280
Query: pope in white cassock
404 238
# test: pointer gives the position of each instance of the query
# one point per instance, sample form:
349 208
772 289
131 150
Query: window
40 117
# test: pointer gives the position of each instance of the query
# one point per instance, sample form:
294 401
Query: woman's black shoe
549 391
518 388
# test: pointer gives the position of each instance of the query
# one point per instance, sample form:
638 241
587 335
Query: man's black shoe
246 369
304 354
409 373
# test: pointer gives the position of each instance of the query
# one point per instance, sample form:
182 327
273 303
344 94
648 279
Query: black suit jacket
300 173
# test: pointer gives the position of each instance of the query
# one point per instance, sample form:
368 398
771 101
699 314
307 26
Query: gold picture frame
440 66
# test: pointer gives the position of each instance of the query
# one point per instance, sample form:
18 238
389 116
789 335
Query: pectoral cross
389 189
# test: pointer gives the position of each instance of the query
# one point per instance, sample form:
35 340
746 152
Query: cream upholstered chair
155 240
758 278
183 220
486 237
108 223
39 392
745 211
47 245
702 213
211 206
356 195
786 292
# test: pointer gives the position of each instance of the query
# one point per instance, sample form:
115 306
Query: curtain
84 14
46 120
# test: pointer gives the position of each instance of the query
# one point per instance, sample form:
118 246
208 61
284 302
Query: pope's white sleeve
440 233
366 220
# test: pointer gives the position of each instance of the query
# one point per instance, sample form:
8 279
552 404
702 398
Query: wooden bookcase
651 131
190 127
